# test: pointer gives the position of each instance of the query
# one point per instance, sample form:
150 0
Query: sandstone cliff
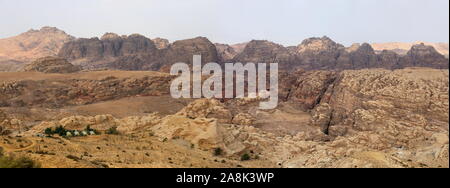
135 52
161 43
325 54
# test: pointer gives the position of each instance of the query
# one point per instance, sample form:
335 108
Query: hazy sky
232 21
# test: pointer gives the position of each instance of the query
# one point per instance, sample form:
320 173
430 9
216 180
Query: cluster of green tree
61 131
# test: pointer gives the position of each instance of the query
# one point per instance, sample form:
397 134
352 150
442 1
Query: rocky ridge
33 44
52 65
135 52
55 93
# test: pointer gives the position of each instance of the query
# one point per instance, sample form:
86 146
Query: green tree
245 157
112 130
218 152
48 131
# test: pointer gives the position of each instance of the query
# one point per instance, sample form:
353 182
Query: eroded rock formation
51 65
135 52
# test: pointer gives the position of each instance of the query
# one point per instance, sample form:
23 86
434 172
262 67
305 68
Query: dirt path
7 148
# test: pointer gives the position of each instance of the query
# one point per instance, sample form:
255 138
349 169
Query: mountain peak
46 29
422 49
317 44
110 36
34 44
49 29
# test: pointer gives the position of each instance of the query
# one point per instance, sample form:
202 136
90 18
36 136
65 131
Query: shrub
218 151
112 130
89 129
245 157
22 162
61 131
48 132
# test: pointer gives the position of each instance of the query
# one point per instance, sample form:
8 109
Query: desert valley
105 103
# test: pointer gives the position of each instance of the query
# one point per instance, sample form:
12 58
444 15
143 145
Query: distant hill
26 47
34 44
403 48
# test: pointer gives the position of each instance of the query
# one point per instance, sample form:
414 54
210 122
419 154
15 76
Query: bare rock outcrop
184 50
318 45
73 90
225 52
325 54
413 101
306 88
421 55
161 43
207 108
51 65
135 52
9 125
262 51
402 48
99 53
204 124
2 119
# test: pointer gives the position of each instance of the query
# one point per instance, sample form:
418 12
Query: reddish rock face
258 51
225 52
424 56
33 44
69 91
135 52
325 54
306 88
161 43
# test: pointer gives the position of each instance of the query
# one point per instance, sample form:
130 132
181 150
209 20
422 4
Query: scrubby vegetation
113 131
245 157
21 162
218 152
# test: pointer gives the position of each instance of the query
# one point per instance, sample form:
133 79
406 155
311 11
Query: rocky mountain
33 44
51 65
228 52
161 43
134 52
225 52
325 54
403 48
262 51
421 55
183 50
